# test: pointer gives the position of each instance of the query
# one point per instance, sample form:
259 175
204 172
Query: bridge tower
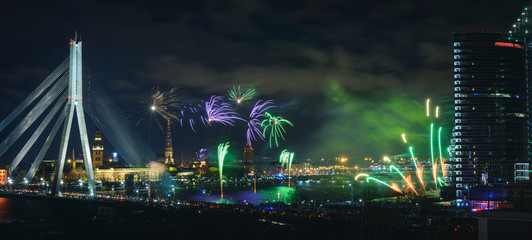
74 104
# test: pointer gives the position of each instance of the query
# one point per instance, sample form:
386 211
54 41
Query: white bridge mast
74 103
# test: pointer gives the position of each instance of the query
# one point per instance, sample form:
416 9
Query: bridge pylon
74 104
59 97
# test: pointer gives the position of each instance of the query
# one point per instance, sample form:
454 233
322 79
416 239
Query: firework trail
435 173
222 151
287 158
436 163
433 162
419 168
275 125
407 180
360 175
431 143
428 107
238 96
393 186
188 114
441 155
442 183
166 104
254 122
220 112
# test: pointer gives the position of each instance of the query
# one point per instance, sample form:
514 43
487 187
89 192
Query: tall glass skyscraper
490 135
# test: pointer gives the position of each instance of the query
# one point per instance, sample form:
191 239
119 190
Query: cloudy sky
351 75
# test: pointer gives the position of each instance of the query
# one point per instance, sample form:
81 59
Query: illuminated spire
169 151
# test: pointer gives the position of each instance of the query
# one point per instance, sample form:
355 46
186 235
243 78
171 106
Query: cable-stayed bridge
61 95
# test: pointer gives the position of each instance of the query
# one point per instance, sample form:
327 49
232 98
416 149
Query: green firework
431 143
237 95
393 186
275 127
222 151
286 158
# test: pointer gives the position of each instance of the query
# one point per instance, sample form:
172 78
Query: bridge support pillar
74 104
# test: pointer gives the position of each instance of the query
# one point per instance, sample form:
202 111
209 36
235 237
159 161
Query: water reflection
4 209
320 191
18 209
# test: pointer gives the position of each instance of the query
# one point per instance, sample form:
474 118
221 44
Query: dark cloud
289 50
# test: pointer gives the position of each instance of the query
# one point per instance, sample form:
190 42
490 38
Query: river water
18 209
307 191
304 193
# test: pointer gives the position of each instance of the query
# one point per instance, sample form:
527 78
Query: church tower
97 150
169 151
248 155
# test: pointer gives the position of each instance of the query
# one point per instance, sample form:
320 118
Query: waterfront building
3 177
119 174
489 139
97 150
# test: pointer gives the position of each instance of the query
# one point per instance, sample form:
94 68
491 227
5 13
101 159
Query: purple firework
201 154
188 113
254 123
220 112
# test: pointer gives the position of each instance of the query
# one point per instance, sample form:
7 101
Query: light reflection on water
17 209
4 209
321 191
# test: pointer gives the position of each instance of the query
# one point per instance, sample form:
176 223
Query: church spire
169 151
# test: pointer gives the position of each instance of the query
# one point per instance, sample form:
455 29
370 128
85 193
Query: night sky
351 75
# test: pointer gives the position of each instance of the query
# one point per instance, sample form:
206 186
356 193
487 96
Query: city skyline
299 119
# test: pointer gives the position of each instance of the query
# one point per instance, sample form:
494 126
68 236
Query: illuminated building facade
119 174
97 150
490 92
3 177
169 151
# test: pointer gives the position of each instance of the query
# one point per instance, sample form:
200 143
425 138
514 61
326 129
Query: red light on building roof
513 45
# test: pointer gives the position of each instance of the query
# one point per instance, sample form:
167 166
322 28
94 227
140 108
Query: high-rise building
489 138
169 151
97 150
248 155
523 28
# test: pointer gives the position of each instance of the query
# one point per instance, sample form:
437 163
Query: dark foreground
82 219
